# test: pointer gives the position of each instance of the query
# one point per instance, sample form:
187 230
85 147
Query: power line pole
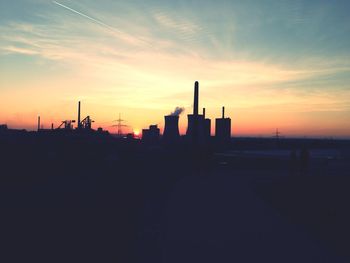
120 125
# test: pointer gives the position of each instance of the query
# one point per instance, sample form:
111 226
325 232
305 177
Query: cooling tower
171 129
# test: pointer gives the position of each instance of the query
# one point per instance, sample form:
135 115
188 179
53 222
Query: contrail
121 34
86 16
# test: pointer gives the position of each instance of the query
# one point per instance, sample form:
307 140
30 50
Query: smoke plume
177 111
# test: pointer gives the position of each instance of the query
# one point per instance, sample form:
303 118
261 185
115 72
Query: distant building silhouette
199 128
66 124
206 126
151 135
223 128
86 123
3 127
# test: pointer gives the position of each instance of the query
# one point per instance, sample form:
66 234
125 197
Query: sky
273 64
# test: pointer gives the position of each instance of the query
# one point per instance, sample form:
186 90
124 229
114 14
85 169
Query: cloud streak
19 50
185 27
88 17
121 34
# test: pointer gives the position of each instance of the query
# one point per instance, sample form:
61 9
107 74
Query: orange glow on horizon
136 132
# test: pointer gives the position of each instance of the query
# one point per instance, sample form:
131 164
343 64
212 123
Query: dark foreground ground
101 200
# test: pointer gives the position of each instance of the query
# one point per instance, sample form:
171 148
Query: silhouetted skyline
273 64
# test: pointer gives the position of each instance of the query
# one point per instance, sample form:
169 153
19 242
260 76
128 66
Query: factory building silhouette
151 135
199 127
82 125
198 130
206 126
223 128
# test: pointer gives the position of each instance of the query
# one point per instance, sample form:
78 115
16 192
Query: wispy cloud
19 50
180 25
54 44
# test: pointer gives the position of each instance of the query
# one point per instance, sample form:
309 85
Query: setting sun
136 132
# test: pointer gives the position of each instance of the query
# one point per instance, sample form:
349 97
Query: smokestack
51 126
195 103
79 114
203 113
223 112
38 123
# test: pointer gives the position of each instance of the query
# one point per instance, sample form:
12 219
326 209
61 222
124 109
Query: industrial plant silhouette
74 193
198 130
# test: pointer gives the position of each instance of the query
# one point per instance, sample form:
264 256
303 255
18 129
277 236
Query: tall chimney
203 113
195 104
38 123
223 112
79 114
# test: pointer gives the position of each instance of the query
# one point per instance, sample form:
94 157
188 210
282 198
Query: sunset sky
274 64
